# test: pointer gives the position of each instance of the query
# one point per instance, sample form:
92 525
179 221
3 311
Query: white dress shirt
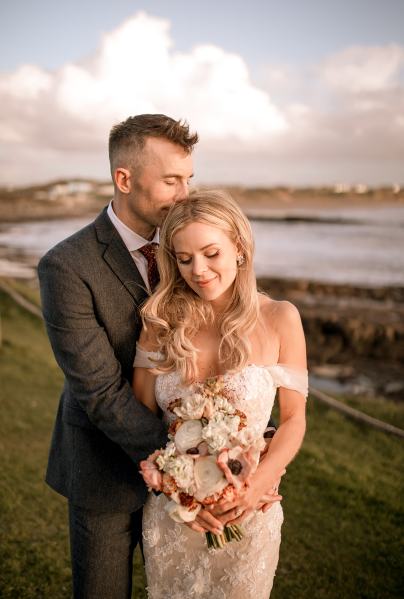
133 242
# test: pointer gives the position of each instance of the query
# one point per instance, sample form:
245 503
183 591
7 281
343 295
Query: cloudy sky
302 92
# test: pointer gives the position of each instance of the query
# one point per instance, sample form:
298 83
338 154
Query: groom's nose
182 191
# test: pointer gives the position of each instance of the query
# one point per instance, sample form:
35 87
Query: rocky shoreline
353 333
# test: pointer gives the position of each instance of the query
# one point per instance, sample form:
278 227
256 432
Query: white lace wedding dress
178 563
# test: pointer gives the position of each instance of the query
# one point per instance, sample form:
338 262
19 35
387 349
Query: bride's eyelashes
189 260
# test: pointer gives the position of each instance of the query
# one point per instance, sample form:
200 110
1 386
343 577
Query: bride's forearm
284 446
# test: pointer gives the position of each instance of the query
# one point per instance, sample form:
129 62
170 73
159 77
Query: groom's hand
206 522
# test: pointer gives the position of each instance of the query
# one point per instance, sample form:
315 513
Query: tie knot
149 251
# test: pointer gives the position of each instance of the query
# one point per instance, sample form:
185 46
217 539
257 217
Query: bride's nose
199 266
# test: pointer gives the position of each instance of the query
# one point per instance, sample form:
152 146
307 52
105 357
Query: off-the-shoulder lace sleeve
146 359
290 378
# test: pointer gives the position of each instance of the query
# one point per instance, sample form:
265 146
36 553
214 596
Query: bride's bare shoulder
277 314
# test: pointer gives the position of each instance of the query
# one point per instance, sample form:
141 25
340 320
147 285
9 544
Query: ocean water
363 254
367 249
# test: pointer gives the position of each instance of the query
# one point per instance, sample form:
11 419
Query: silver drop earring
240 260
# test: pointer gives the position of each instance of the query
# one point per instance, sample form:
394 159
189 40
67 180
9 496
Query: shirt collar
132 240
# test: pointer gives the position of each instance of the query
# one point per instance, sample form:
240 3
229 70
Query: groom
92 286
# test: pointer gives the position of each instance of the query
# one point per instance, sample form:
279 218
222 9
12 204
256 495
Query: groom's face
161 179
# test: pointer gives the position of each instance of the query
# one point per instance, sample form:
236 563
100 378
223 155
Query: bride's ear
240 256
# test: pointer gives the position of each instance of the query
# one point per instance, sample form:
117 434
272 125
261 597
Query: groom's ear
122 180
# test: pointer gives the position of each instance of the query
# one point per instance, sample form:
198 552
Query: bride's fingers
222 507
270 497
271 500
240 517
234 514
209 522
195 526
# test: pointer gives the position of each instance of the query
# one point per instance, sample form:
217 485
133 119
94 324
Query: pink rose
152 476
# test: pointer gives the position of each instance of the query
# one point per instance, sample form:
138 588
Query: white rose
188 435
191 407
209 478
249 437
222 404
220 429
180 513
181 468
166 455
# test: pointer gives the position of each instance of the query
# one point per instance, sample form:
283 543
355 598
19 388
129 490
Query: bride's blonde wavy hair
175 312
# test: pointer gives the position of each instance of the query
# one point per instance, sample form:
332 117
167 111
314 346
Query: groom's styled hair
127 139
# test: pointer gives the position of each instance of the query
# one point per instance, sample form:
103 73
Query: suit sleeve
93 373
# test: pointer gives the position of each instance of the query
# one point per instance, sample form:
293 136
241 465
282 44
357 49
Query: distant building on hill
70 188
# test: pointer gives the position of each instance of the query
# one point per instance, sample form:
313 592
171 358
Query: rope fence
339 406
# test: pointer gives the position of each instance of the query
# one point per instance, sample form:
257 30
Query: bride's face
206 258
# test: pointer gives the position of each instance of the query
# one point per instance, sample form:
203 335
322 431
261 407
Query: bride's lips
204 283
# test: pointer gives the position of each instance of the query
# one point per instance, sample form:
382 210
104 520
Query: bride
207 319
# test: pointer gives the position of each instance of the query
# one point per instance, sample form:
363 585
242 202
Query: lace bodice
253 387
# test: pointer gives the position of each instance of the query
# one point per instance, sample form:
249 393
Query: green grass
342 495
389 411
28 289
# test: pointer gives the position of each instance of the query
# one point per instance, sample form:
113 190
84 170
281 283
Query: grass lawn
343 495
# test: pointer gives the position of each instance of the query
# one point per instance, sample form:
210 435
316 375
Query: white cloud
347 111
362 69
135 70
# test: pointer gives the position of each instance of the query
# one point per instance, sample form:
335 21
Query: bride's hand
255 495
268 499
206 522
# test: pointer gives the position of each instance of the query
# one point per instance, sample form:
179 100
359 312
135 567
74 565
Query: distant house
342 188
345 188
70 188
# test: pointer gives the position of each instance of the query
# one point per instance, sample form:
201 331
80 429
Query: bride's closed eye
188 260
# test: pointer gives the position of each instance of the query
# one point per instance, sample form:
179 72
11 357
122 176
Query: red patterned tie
149 252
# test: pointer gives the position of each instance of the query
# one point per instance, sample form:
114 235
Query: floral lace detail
252 390
178 562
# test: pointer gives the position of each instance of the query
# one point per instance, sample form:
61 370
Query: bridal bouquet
210 456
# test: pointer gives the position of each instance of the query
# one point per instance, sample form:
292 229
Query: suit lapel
118 258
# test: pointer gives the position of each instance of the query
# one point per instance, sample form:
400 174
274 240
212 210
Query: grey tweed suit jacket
91 292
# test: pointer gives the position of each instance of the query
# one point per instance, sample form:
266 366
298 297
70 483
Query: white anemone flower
188 436
209 479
